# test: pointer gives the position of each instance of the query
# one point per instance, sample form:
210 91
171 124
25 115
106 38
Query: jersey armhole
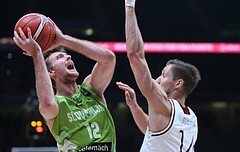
173 111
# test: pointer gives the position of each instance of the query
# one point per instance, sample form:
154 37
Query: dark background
216 100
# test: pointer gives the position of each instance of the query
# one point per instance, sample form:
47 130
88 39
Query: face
165 80
63 67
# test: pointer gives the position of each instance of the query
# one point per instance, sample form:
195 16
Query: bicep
141 73
155 95
158 100
49 111
100 77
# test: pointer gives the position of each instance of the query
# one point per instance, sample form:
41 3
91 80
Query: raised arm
48 107
159 107
103 70
135 52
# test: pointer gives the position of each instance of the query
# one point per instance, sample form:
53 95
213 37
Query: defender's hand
130 95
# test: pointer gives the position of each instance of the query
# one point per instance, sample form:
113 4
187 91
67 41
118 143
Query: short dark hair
186 71
48 62
49 53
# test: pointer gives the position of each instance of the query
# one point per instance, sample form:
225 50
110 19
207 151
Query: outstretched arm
136 55
48 107
139 116
135 52
159 108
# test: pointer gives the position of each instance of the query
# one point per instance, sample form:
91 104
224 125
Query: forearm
88 49
135 50
134 41
140 118
103 70
45 93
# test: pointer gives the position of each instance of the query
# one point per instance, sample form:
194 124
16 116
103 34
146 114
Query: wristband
130 3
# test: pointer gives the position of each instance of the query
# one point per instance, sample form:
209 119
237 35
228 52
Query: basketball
42 29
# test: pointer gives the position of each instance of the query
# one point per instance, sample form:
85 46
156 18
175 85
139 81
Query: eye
59 56
163 73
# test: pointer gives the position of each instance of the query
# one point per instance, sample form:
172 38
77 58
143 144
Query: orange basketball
42 28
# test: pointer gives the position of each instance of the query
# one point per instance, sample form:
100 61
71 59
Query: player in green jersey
77 115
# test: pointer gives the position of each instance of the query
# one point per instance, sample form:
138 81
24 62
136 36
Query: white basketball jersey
179 136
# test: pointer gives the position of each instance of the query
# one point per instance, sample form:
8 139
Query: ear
179 83
52 74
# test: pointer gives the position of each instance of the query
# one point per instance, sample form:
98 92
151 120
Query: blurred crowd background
216 100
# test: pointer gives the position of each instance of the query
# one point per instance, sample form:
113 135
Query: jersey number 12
93 130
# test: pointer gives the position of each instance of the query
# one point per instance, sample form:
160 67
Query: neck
66 89
180 98
181 101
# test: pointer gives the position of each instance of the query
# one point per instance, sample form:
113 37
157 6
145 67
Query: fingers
21 40
123 86
21 34
29 33
128 90
25 53
120 84
17 39
128 96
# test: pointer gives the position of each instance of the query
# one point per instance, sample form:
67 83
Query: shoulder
60 99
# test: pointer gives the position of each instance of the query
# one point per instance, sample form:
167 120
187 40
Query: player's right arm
159 107
48 106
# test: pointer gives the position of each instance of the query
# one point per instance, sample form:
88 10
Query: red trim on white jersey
173 112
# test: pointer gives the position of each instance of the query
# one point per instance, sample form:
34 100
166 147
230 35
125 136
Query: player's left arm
139 116
103 70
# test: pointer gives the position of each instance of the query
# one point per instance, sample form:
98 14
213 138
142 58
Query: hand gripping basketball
42 29
130 3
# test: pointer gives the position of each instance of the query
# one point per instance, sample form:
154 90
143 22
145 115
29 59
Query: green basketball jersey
83 123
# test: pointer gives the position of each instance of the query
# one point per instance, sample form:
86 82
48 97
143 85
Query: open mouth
70 67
